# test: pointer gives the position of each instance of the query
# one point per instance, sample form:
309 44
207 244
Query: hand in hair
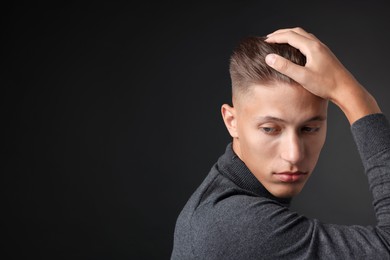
323 74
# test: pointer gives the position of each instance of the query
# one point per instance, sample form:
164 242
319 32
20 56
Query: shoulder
229 205
233 221
219 201
224 221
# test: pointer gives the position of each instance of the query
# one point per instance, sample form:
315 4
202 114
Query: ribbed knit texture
232 216
374 144
233 168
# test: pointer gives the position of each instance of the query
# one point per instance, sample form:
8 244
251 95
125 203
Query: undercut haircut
248 67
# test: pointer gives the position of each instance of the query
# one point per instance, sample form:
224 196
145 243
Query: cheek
259 146
314 147
249 136
260 155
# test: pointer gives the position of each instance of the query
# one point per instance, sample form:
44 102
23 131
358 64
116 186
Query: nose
292 148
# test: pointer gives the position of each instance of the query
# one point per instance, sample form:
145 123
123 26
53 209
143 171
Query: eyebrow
272 118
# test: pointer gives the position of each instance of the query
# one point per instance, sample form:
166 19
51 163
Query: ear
230 119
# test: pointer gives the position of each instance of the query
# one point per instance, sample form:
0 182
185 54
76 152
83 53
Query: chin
287 192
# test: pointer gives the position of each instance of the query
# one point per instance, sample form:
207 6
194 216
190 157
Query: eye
309 129
270 130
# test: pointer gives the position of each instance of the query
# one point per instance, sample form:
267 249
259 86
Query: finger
297 30
286 67
302 32
294 39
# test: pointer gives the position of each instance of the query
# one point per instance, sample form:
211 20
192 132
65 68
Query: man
281 86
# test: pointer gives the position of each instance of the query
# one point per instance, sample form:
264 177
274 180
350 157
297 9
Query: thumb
284 66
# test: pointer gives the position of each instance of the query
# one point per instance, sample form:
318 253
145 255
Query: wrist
356 102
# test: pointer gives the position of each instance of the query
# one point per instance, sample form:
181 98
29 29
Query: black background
111 114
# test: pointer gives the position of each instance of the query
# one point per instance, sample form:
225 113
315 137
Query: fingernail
270 59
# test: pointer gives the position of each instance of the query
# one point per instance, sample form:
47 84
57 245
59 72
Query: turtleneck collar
231 166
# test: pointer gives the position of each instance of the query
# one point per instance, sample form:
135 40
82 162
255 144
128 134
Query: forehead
281 100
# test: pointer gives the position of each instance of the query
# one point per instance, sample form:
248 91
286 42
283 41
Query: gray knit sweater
232 216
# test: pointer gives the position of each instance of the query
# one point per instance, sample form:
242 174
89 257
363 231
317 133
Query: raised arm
323 74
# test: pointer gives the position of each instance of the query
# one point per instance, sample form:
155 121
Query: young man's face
278 131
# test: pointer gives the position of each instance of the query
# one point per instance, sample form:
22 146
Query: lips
290 177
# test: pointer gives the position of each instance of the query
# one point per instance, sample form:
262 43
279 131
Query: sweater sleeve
244 227
326 241
372 137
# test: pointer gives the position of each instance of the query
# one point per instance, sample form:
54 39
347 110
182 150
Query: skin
278 131
269 147
323 75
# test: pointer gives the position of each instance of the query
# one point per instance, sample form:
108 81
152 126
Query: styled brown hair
248 67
